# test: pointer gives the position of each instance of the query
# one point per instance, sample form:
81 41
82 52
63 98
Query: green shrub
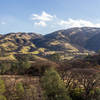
2 87
53 86
20 90
2 97
77 94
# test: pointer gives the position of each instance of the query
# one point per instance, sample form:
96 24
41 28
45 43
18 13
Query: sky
46 16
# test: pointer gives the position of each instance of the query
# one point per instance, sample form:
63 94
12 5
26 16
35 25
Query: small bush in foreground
54 87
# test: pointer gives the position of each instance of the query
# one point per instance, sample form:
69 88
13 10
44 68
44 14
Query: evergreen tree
54 87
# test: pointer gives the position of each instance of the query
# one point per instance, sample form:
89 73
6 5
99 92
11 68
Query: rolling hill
69 42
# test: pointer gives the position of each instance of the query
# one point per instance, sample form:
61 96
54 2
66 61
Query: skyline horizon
44 17
46 33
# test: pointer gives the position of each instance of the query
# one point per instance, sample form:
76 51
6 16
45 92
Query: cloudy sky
45 16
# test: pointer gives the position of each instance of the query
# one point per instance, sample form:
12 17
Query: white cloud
77 23
3 23
52 21
41 20
43 17
41 23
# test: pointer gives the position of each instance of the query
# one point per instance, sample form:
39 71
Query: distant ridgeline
67 44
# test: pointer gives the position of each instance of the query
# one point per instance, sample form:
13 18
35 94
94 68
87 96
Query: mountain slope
69 42
70 39
15 42
93 43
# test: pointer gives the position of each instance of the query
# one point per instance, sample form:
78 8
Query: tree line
64 80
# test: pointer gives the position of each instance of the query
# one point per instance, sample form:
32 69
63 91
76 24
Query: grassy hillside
70 43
